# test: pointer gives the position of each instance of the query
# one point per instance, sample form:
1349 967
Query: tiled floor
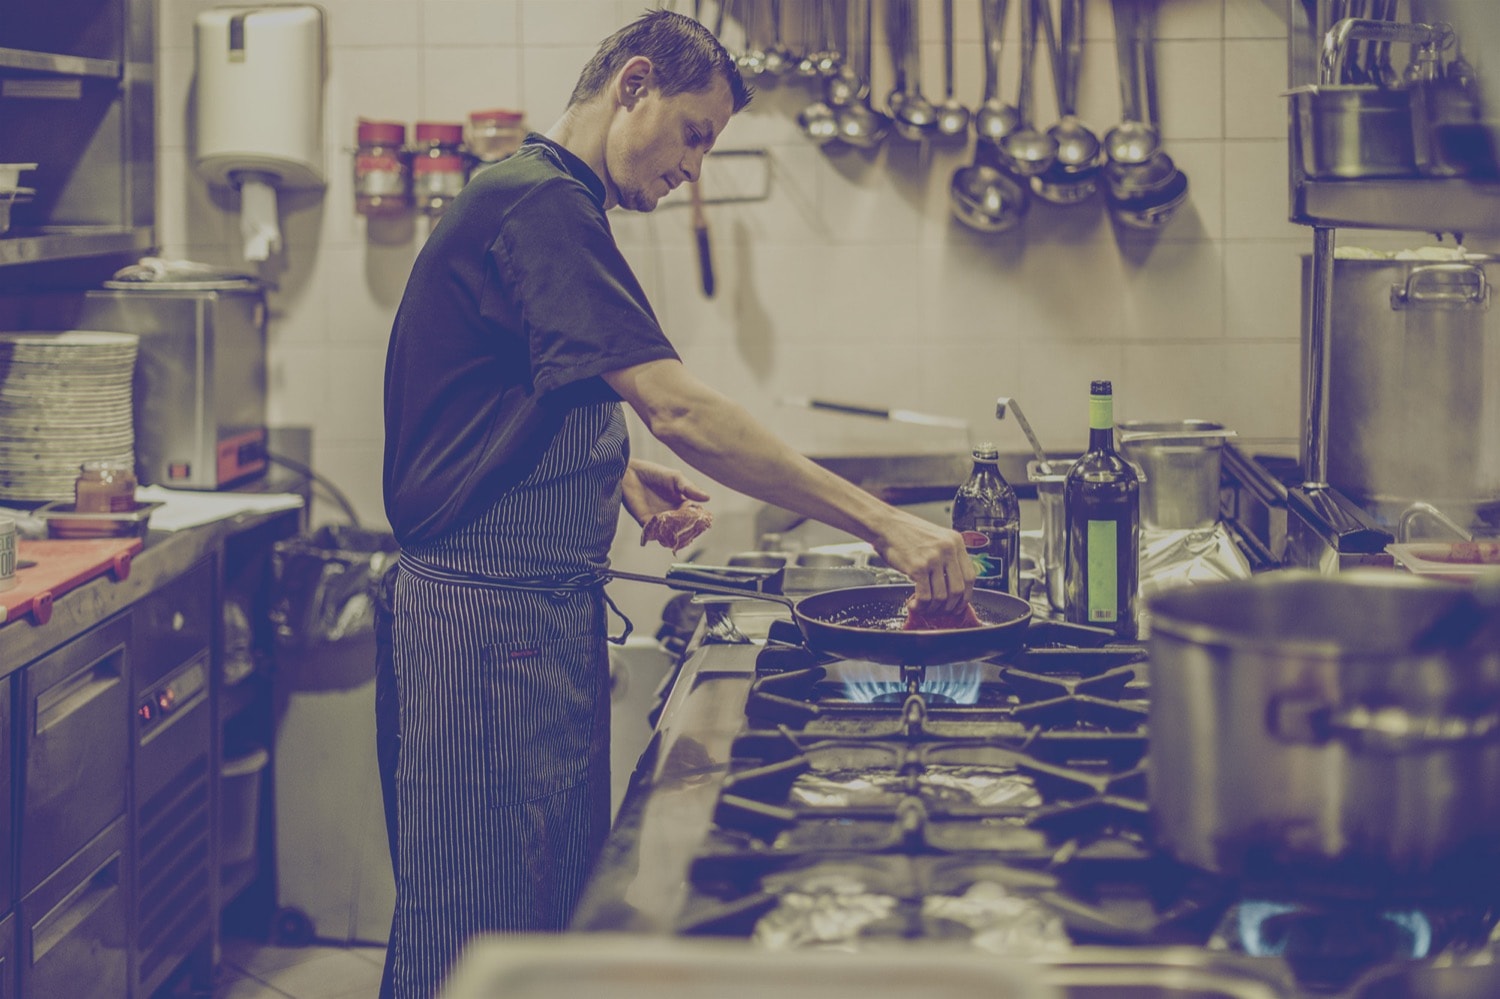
255 970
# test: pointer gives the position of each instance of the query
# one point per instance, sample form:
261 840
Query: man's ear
634 78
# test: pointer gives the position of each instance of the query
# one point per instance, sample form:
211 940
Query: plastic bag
324 587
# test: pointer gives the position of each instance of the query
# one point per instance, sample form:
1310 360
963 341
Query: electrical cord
332 490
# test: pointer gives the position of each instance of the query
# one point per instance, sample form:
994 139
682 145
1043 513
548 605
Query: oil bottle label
1104 572
987 564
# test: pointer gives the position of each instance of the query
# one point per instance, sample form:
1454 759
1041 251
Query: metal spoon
1027 151
778 58
1074 175
752 60
952 117
1006 402
1132 141
913 115
807 66
993 119
860 125
983 196
841 81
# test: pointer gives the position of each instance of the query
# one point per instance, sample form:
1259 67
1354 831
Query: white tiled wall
851 281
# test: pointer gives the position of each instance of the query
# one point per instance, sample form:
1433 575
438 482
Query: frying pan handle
694 586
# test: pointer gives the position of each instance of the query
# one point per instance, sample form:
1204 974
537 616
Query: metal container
1049 491
1181 460
1353 132
1290 725
1413 358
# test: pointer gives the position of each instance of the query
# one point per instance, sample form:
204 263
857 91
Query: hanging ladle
1027 151
981 195
912 114
1131 142
993 119
1074 174
952 116
860 125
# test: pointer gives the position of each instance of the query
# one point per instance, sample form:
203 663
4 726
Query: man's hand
935 559
665 503
650 489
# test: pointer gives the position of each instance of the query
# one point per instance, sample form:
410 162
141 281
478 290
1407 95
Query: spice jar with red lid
440 165
495 134
382 178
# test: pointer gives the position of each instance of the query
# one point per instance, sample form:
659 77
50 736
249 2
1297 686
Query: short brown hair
685 56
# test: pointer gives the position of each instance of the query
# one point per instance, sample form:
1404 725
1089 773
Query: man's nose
692 165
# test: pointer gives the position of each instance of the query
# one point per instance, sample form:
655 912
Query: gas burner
1329 943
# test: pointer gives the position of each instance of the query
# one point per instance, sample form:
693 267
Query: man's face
656 143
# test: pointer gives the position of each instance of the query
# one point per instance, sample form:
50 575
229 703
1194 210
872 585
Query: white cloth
185 508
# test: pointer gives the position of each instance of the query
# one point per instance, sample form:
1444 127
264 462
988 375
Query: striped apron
500 772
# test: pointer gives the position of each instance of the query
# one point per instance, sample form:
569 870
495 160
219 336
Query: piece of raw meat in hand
939 620
676 529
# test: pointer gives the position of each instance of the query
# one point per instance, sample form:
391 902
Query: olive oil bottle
987 514
1102 504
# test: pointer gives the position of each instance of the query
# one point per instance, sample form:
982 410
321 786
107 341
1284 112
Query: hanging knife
700 231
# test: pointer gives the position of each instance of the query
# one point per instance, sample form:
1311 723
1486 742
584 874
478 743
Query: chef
521 332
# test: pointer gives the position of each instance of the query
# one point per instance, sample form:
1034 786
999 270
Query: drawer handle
64 698
78 905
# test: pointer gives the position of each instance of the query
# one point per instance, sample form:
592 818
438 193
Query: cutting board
60 566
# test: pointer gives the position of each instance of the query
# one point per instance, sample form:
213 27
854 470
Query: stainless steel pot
1181 461
1414 380
1354 132
1290 725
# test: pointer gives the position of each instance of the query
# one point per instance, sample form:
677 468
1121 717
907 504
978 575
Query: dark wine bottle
986 513
1102 504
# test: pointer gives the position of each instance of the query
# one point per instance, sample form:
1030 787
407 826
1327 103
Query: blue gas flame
958 683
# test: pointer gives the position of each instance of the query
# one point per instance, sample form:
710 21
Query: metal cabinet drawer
173 624
73 926
75 741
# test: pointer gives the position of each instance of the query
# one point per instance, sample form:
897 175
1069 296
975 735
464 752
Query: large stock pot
1291 726
1413 358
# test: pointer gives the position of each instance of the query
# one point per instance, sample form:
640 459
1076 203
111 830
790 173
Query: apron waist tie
556 586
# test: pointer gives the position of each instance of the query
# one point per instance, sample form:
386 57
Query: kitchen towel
184 508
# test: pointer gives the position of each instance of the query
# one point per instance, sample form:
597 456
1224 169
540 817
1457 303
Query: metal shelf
68 242
61 65
1415 204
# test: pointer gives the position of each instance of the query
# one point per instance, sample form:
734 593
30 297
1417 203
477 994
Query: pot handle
1309 720
1421 288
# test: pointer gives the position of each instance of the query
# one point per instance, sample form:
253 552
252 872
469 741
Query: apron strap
556 587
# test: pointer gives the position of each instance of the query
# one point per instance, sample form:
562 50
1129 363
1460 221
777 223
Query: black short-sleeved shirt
517 303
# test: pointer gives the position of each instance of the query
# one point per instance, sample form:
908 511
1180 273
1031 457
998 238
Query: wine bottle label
1103 569
987 564
1101 412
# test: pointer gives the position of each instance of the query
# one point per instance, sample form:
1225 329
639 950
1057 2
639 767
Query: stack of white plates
65 398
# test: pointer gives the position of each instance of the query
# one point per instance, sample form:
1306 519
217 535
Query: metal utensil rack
1331 523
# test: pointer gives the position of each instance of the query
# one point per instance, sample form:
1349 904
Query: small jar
104 487
382 179
494 135
440 165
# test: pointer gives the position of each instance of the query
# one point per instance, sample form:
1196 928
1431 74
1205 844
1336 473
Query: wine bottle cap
1101 388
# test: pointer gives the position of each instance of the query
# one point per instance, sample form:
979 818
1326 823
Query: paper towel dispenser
259 121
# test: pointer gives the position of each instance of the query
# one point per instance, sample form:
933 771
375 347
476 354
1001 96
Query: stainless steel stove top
794 802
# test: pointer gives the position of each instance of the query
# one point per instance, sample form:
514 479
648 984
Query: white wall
851 281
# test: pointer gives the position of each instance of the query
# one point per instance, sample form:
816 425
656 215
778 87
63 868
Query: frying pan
864 622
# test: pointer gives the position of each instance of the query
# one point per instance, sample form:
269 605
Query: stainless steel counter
165 555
